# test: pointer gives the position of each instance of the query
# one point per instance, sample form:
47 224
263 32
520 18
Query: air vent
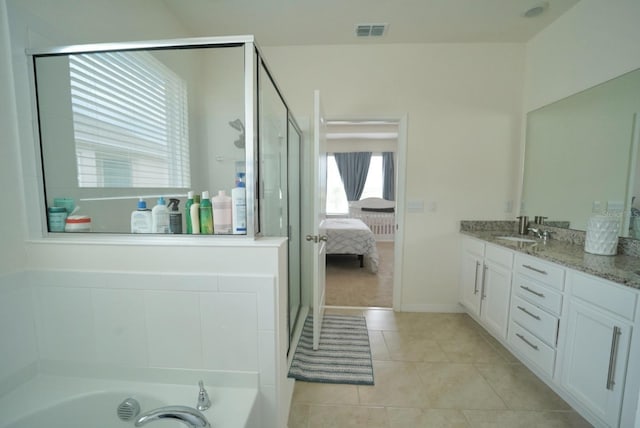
370 30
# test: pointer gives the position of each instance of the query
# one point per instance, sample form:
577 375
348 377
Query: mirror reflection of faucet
203 398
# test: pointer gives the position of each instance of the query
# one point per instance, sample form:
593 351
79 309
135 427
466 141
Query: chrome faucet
187 415
542 234
203 398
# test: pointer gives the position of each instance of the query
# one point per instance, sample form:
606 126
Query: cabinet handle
484 276
475 283
529 313
615 339
531 291
526 341
535 270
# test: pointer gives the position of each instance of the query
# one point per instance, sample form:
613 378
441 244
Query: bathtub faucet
187 415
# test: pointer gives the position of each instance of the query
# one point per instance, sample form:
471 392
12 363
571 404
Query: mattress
352 236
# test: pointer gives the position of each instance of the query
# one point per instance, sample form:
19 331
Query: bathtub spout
187 415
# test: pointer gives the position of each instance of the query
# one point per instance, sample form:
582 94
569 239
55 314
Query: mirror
581 156
119 125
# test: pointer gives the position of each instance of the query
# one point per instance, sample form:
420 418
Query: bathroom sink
516 239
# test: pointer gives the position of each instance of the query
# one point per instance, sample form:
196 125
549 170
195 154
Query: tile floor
437 371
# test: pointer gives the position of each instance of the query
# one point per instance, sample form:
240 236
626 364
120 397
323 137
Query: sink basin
516 239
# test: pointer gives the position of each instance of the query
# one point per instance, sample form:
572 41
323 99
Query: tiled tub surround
570 316
150 327
566 248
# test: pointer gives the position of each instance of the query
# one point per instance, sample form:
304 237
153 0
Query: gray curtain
389 177
353 168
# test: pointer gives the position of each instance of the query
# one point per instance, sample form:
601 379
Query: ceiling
319 22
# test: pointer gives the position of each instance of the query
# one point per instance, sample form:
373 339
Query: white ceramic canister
78 223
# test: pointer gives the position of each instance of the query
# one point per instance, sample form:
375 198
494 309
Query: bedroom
361 223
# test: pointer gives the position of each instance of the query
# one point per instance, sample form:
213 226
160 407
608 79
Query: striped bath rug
344 355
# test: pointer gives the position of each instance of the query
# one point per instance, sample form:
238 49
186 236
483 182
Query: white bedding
352 236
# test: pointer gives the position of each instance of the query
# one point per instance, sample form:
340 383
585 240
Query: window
132 134
337 199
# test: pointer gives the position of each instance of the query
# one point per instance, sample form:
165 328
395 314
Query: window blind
130 121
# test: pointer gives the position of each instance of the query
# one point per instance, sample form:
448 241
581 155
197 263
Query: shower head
238 126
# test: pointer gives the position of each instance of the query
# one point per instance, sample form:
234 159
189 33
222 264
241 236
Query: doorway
370 279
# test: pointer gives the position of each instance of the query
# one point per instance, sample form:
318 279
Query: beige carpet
349 285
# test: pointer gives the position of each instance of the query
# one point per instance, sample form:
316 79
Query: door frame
401 183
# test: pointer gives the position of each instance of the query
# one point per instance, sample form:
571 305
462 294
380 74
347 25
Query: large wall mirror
117 126
581 157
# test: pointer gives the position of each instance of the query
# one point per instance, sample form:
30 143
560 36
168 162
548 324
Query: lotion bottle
222 224
239 207
206 215
141 218
160 217
187 211
195 215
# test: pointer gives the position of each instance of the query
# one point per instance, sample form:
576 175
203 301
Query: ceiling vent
371 30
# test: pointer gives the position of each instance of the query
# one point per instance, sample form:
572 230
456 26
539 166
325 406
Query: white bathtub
63 402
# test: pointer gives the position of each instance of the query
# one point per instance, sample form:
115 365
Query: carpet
344 354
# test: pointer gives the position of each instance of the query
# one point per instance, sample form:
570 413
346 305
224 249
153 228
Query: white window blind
130 121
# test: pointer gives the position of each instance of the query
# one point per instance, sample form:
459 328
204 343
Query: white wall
463 103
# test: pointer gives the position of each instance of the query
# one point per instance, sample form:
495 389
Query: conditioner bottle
239 207
160 217
206 215
194 210
222 213
187 212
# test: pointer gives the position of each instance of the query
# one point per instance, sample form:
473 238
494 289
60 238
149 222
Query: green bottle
206 215
187 212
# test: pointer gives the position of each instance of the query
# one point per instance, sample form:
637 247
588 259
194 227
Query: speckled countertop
621 268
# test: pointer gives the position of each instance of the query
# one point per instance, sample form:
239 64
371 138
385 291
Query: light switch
415 206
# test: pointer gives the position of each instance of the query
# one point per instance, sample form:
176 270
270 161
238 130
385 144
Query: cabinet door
471 282
595 360
496 293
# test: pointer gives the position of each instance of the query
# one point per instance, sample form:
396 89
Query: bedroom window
130 121
336 197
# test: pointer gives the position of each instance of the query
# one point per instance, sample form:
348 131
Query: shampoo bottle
222 213
239 207
175 218
141 218
206 215
187 211
160 217
194 214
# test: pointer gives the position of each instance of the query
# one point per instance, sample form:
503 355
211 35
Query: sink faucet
542 234
187 415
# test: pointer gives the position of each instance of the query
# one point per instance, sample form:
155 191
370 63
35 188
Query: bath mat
344 354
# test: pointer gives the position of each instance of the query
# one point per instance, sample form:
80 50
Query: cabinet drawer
544 272
540 323
537 294
473 246
499 255
603 294
532 348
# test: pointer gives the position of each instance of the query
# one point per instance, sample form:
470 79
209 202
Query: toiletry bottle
194 214
160 217
187 211
239 207
141 218
206 215
222 213
175 217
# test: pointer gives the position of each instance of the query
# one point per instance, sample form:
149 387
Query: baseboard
452 308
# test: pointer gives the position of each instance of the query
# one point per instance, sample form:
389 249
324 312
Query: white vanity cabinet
486 284
597 341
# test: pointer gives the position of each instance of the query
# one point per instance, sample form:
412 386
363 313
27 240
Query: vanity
569 316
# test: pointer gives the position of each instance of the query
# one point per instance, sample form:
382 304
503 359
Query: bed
352 236
378 214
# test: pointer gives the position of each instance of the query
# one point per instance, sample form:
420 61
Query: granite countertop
620 268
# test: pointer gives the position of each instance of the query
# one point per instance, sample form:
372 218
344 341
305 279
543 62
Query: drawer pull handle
615 339
535 269
526 341
531 291
483 295
529 313
475 283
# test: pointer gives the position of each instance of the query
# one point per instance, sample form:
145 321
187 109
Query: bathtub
63 402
